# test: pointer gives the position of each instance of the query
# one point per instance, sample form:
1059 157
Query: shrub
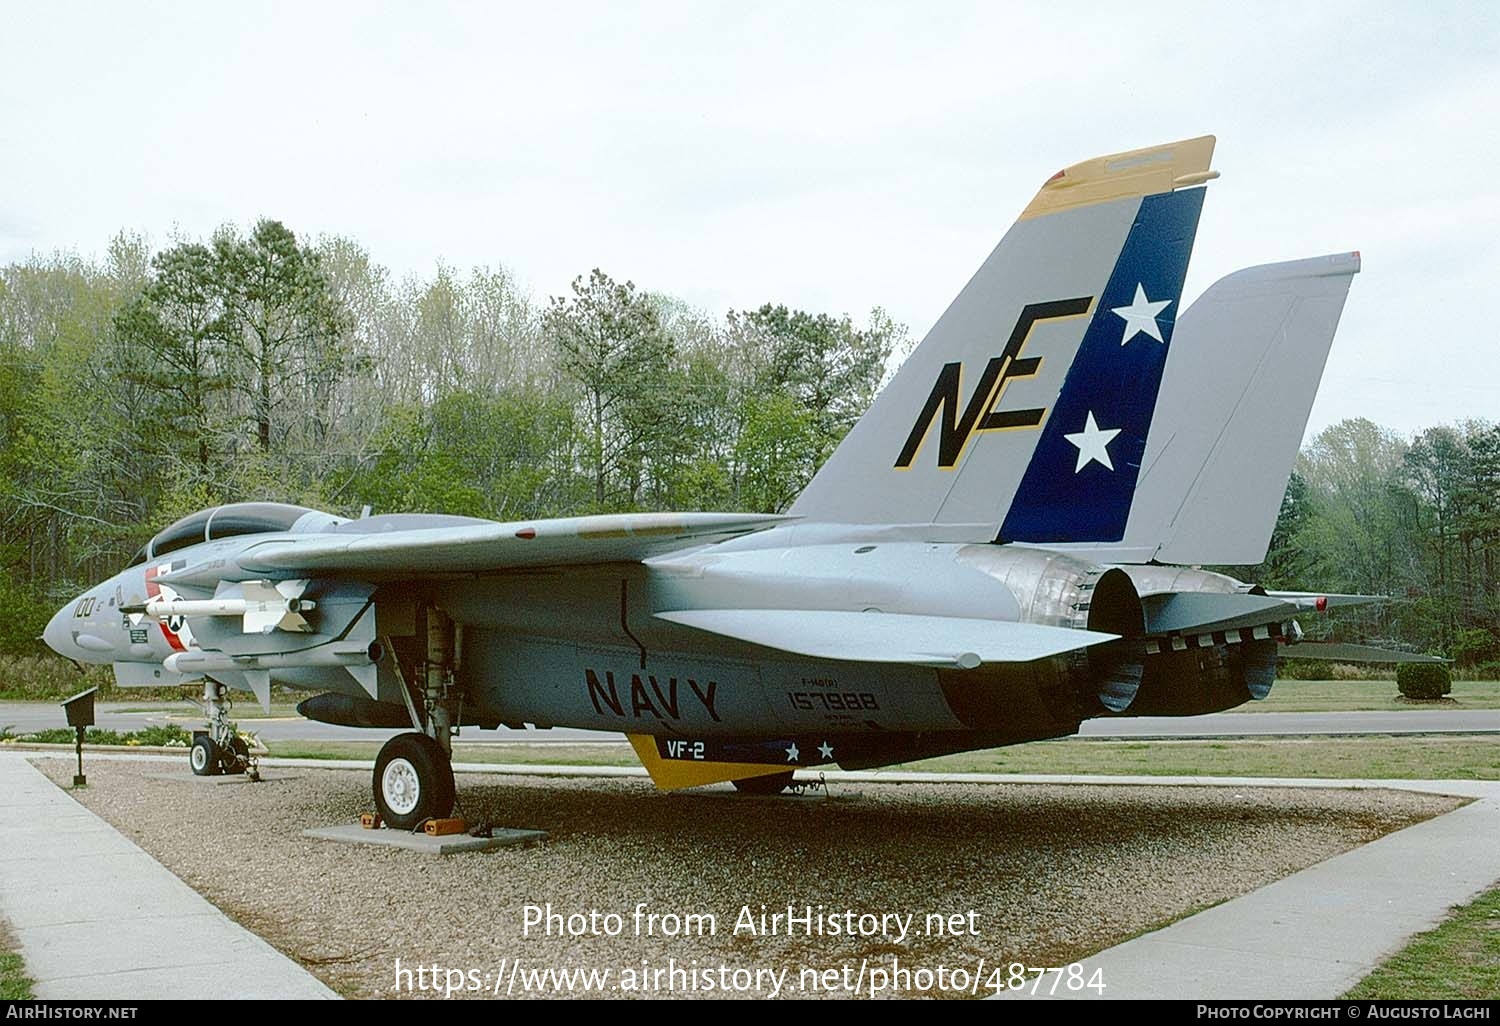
1423 680
168 736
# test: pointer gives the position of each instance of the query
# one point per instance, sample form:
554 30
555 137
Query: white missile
262 605
161 608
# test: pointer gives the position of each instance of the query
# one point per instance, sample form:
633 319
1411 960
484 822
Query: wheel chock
440 827
369 820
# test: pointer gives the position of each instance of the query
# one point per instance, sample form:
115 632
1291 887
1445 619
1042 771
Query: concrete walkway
1316 933
98 918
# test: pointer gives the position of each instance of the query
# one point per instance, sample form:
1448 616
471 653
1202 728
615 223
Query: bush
1423 680
168 736
1302 669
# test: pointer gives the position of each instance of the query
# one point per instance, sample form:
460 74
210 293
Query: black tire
237 759
413 781
773 783
204 757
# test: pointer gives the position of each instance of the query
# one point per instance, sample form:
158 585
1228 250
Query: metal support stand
79 780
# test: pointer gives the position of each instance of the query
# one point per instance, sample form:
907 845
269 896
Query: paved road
1407 721
27 716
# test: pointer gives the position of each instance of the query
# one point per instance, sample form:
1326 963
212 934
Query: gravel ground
1051 873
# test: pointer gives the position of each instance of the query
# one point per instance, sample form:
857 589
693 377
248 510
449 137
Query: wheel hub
400 786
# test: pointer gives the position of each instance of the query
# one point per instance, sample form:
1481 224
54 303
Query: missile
161 608
261 605
197 662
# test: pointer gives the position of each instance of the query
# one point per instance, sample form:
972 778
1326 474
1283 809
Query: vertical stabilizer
1024 412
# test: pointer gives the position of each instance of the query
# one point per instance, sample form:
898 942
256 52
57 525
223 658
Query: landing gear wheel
413 781
237 758
773 783
204 757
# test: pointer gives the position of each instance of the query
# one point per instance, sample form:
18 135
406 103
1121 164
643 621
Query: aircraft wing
889 637
478 548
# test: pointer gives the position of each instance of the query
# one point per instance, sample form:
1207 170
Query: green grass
1366 695
1396 758
1399 758
1458 960
14 984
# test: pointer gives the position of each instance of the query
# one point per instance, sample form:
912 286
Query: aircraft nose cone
59 635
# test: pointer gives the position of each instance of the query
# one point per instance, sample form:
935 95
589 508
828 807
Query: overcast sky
829 156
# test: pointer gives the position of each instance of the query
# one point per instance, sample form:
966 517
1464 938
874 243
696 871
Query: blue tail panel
1082 475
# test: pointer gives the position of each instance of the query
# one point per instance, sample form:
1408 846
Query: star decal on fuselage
825 750
1140 316
1092 444
792 753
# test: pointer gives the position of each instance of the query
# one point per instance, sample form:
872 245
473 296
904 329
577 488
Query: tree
283 327
172 342
610 342
1436 467
1287 564
828 366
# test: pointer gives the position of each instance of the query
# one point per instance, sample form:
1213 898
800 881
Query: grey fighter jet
993 554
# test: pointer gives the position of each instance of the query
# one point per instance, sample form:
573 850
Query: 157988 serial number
837 701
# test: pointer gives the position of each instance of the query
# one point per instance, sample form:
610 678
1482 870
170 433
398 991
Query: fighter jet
992 555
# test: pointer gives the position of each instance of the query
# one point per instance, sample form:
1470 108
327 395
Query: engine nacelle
1212 667
1061 591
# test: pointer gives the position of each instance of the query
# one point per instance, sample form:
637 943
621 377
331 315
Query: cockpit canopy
225 522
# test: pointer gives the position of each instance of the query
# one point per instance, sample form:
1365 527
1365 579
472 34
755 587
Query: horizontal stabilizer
1341 653
523 544
1202 612
1319 601
889 637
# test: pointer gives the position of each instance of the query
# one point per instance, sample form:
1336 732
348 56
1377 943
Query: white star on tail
1141 316
792 753
1093 444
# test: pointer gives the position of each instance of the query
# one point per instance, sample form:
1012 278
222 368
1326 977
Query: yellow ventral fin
671 774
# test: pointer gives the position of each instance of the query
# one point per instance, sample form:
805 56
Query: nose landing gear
218 750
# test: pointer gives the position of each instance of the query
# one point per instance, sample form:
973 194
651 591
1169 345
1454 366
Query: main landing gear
218 750
413 779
